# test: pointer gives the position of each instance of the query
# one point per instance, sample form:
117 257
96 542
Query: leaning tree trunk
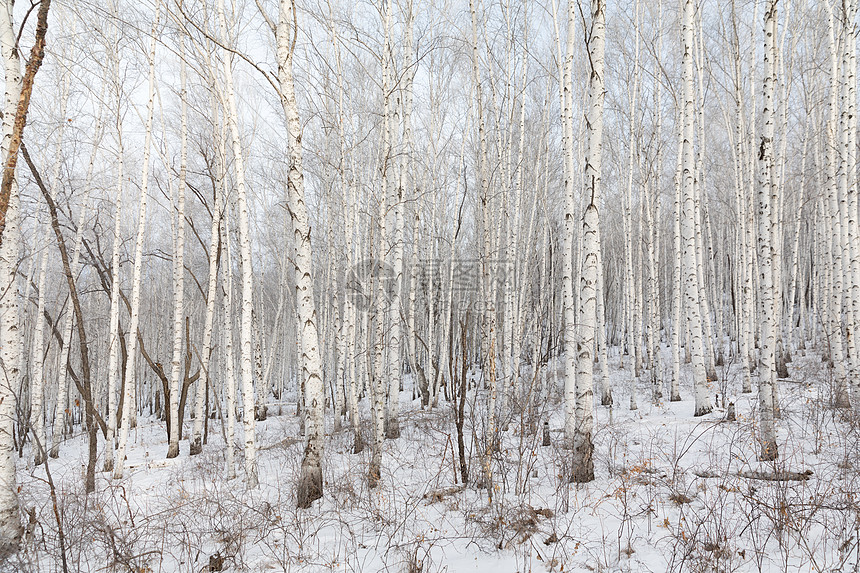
18 92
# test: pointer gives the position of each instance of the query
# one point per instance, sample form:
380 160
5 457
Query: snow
647 510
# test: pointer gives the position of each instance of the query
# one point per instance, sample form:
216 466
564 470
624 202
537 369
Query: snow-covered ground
672 493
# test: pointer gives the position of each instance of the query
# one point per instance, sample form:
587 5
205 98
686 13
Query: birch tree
178 217
229 353
396 182
570 330
835 262
37 414
114 339
17 100
246 341
310 482
583 445
378 389
688 215
215 245
488 339
767 368
128 402
10 524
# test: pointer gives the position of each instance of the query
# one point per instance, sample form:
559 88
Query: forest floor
672 493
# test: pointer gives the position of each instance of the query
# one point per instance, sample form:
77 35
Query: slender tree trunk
849 159
688 214
632 304
835 262
128 403
10 524
567 267
229 355
488 340
349 313
10 346
392 427
583 446
767 369
37 414
114 340
178 267
742 308
205 381
310 483
246 339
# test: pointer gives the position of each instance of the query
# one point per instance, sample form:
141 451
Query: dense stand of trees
326 210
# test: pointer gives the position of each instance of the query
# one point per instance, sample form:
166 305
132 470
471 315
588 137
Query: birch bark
688 214
767 370
215 246
583 446
310 483
10 524
246 339
179 267
130 370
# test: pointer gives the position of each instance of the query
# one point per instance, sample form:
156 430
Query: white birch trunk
767 369
229 357
246 339
114 367
205 380
632 308
677 300
310 483
37 414
392 428
688 214
835 262
10 348
488 339
178 268
849 145
567 269
708 338
130 370
10 524
349 317
743 265
583 446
